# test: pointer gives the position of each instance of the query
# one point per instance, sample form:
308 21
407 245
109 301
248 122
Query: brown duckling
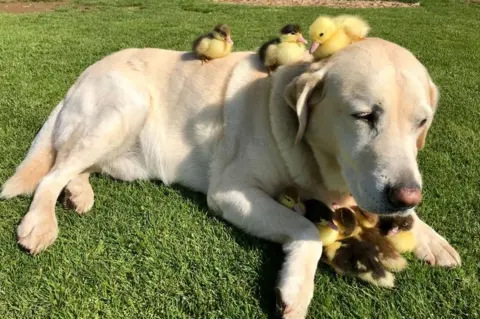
398 231
356 249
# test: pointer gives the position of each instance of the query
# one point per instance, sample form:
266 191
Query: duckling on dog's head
322 29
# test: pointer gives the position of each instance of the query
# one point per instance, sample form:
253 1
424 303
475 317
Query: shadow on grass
272 254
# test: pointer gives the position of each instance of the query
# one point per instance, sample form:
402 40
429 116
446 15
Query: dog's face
365 114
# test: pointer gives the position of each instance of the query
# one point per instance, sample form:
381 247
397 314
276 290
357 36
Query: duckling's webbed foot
205 60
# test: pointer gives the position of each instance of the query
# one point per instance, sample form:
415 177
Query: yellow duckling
319 214
331 34
214 45
287 49
351 241
398 231
388 252
356 248
291 199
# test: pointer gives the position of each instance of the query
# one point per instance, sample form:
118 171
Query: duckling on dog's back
288 48
214 45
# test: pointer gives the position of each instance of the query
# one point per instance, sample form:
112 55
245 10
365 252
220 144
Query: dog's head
365 113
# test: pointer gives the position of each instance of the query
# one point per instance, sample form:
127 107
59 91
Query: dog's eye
321 34
365 116
422 122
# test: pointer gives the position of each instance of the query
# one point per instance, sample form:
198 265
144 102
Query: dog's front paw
37 231
433 248
293 299
296 282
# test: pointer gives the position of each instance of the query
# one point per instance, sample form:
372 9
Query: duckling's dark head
319 213
393 224
292 33
290 29
223 30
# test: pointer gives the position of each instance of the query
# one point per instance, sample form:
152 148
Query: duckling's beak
313 47
301 39
229 40
393 231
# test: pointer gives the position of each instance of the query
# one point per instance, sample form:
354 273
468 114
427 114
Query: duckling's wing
360 259
355 27
347 219
266 48
387 254
201 44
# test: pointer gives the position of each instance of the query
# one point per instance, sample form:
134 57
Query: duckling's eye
293 32
405 224
223 33
321 34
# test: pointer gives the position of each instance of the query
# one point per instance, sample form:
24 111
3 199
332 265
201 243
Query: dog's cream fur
227 130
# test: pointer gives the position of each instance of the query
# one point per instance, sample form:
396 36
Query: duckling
346 249
214 45
389 256
339 224
315 211
365 219
331 34
359 258
288 48
398 231
328 224
291 199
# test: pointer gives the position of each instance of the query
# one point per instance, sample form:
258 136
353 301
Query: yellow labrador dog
344 130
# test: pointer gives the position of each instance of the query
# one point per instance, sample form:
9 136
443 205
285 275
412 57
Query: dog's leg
79 194
432 247
257 213
38 228
94 138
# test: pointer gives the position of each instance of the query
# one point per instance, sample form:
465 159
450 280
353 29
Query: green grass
148 251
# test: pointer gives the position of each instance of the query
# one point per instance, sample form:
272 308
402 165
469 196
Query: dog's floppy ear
298 94
433 97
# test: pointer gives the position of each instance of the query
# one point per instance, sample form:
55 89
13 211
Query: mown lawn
149 251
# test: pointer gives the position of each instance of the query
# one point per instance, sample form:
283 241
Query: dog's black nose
402 197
